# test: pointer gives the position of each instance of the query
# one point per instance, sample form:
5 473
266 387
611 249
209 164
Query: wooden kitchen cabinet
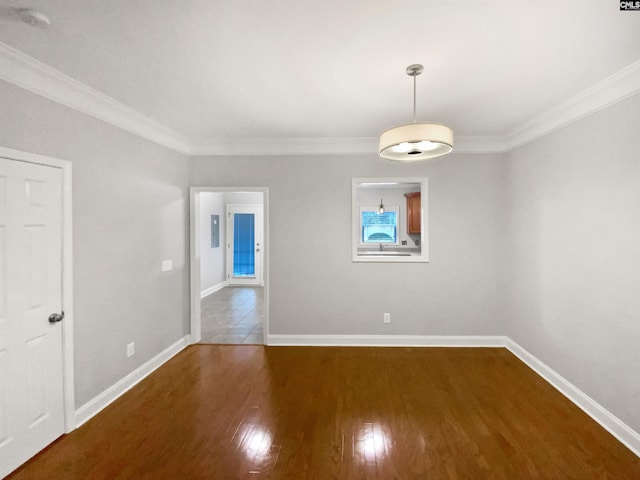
414 205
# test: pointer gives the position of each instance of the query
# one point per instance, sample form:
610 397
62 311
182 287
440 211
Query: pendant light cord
414 98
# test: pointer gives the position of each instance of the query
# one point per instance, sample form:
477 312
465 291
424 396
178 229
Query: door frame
194 254
65 166
259 278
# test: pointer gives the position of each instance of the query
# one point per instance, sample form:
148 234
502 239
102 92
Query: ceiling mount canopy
415 141
27 15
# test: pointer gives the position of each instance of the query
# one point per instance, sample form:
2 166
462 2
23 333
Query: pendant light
415 141
381 207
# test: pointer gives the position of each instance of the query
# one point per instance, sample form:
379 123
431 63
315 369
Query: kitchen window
377 228
400 233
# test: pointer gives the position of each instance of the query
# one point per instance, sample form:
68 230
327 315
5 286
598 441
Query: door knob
56 317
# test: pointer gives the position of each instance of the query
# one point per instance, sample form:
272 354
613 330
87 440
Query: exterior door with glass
244 244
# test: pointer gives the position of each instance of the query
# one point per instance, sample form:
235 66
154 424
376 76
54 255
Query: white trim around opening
194 254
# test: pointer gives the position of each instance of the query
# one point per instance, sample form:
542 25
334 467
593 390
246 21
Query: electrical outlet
387 318
131 349
167 265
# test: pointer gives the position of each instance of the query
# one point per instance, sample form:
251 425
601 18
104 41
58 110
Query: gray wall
243 198
129 214
574 254
541 244
314 286
212 260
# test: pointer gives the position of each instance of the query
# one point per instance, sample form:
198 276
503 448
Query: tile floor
233 315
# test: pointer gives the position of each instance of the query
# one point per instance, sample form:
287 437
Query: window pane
379 227
243 245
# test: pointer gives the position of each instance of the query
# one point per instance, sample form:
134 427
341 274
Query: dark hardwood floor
236 412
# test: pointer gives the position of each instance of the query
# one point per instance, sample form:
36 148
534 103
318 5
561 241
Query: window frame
374 208
359 252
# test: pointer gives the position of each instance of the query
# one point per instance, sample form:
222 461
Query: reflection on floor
248 412
233 315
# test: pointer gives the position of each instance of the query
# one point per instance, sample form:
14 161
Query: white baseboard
208 291
98 403
386 340
625 434
616 427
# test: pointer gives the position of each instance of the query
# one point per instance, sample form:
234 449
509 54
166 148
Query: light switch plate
167 265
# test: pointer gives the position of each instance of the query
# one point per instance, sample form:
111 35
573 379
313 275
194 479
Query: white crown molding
328 146
287 146
615 88
479 144
37 77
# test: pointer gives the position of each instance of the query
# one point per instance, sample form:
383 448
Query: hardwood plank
253 412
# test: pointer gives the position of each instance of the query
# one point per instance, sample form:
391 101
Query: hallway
233 315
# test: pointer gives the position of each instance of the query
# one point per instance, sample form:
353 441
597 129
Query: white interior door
244 244
31 362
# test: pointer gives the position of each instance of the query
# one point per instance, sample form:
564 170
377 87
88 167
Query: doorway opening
229 265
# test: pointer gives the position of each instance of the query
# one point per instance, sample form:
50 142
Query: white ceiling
224 70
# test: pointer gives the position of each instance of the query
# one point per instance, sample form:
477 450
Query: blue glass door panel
244 245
